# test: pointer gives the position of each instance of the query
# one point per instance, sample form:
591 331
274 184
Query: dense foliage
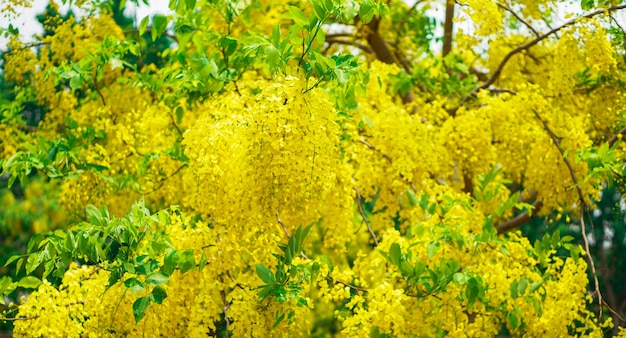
313 168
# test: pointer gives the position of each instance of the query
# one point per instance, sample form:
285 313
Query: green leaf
265 274
140 306
134 285
187 261
170 262
513 320
472 291
368 121
144 24
76 82
12 259
158 294
34 260
279 319
367 11
326 260
297 15
159 25
534 286
395 254
459 277
412 198
157 278
587 4
191 4
319 8
202 262
432 248
29 282
94 215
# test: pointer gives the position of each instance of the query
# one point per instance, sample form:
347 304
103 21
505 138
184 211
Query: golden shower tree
311 168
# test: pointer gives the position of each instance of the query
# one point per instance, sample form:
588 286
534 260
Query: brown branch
332 41
382 52
369 145
519 49
180 132
32 45
390 160
353 287
616 137
136 31
162 182
519 220
502 90
581 201
367 222
18 318
27 128
95 86
520 19
225 310
282 225
287 233
379 46
623 34
448 29
37 316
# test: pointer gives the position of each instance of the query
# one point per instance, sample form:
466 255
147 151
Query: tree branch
616 137
448 29
369 226
382 52
519 18
581 201
336 40
36 44
519 220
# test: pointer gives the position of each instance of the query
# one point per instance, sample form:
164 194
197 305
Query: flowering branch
519 49
581 201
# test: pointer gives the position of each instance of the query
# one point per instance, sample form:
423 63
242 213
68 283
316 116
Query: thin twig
616 137
367 222
180 132
280 221
225 310
519 49
353 287
623 33
282 225
162 182
519 18
18 318
32 45
95 86
390 160
369 145
581 201
614 312
37 316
